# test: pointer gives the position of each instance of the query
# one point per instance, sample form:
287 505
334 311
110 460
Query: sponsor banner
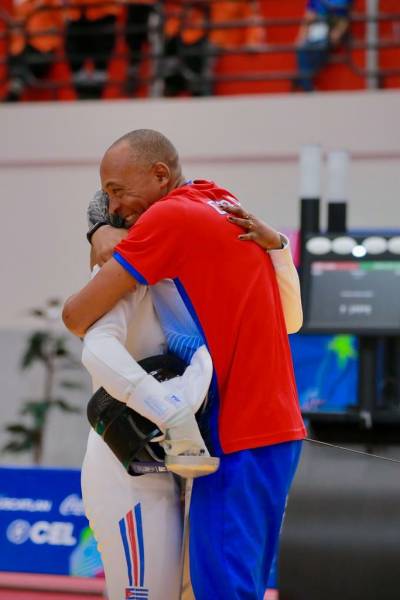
43 528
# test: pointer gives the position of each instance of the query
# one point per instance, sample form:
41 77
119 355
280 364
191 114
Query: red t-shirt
224 292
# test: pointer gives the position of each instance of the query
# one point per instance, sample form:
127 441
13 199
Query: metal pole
371 35
156 40
185 533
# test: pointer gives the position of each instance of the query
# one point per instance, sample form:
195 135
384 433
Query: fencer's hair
149 146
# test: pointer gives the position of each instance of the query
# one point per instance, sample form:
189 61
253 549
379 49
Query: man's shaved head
140 168
149 146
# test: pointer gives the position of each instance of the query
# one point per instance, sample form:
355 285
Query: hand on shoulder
255 229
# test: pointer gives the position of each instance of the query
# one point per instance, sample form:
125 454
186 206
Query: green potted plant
48 347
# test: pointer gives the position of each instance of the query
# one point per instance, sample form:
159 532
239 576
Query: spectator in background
188 64
325 25
36 38
192 36
90 35
137 35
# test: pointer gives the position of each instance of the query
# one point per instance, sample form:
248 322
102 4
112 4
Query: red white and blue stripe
131 529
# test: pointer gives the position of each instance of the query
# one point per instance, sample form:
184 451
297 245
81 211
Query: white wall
49 155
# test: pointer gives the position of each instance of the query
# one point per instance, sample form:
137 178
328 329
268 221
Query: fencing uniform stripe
139 530
132 539
122 529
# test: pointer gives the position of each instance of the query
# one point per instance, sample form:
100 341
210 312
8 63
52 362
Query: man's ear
162 173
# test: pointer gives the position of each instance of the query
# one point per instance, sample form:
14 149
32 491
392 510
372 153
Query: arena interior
294 111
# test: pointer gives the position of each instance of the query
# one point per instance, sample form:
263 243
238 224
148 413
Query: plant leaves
18 428
51 349
27 435
15 446
71 385
35 350
37 409
60 347
65 407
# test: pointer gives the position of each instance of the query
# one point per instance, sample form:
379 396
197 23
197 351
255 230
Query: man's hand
256 230
104 241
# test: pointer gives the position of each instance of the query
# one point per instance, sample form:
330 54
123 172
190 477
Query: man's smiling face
131 185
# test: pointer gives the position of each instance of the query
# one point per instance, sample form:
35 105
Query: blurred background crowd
85 49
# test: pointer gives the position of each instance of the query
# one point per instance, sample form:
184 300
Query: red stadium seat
5 9
278 62
339 75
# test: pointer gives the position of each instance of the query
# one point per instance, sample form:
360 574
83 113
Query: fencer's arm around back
289 286
104 353
112 366
278 248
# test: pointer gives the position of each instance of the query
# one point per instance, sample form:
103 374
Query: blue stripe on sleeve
124 263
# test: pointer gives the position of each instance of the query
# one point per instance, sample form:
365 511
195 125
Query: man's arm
269 239
155 242
84 308
103 242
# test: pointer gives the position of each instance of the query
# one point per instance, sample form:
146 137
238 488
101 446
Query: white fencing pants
137 522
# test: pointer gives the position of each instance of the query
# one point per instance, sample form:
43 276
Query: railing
371 44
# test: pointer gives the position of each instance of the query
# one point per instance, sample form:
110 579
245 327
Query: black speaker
309 220
337 217
309 216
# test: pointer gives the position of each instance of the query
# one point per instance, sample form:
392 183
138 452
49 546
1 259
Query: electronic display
326 370
354 296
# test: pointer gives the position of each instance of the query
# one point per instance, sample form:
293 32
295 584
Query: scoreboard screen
353 296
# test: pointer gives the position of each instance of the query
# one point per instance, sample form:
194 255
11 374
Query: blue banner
42 524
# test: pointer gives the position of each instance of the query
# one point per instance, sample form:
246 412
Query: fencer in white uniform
137 520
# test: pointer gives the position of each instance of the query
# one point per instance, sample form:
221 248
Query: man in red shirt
206 290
